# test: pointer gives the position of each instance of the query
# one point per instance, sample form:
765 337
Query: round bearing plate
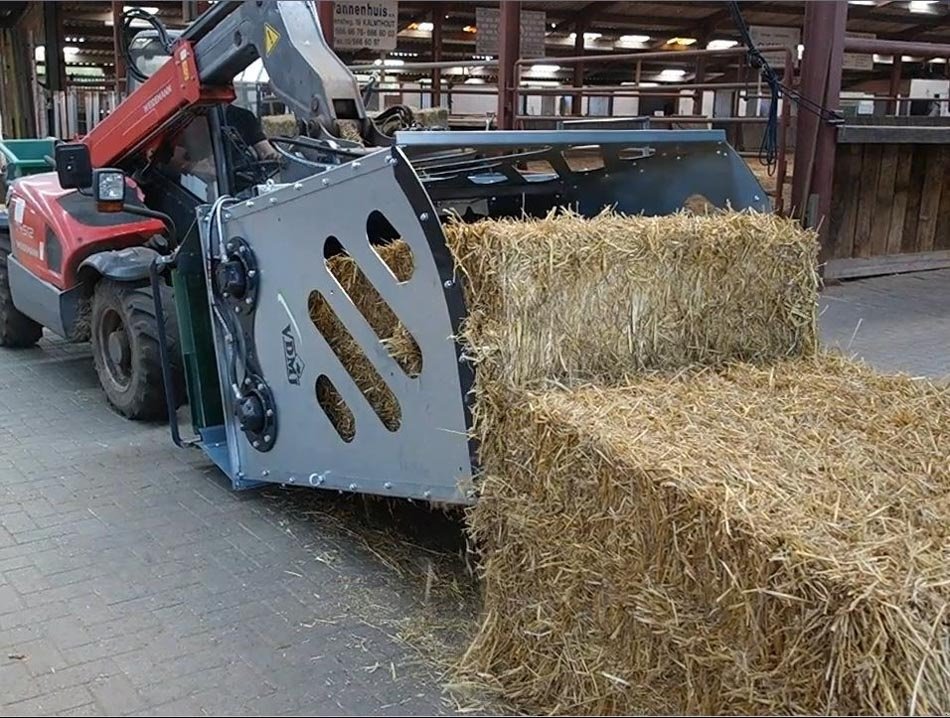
242 261
257 414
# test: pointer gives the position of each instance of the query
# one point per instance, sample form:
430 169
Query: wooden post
815 137
699 78
54 40
509 50
893 106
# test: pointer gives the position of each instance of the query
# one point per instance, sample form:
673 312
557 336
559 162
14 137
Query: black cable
128 17
768 150
154 214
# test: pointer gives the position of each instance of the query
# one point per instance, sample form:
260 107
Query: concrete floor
134 582
897 323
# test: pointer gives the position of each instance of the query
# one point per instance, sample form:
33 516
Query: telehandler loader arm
285 35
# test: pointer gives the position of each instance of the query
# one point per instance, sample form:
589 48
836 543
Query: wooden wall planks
889 199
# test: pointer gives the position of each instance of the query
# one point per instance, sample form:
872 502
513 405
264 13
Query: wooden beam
869 13
585 14
912 33
710 22
895 85
10 12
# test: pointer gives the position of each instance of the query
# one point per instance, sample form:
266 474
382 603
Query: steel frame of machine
271 356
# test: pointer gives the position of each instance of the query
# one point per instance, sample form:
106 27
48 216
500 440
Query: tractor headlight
108 186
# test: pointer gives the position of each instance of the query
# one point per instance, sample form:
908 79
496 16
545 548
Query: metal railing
674 90
752 89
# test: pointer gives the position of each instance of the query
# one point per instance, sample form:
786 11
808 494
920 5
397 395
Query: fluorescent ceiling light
545 69
389 62
588 36
39 54
70 51
684 41
861 2
425 26
921 5
721 44
150 9
938 61
635 38
640 84
670 74
883 59
474 81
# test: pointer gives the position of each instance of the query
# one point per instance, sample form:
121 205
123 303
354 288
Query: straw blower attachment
338 305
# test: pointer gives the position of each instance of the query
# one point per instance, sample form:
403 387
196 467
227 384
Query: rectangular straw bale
752 539
567 298
279 125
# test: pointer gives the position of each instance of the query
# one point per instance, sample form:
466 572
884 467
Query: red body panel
156 105
34 208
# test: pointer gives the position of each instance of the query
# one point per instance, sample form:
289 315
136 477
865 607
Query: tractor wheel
124 333
16 329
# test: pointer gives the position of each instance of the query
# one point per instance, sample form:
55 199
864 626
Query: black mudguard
123 265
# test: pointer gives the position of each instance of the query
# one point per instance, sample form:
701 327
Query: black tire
16 329
124 335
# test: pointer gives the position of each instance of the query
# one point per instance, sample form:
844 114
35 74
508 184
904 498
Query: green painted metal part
26 157
197 343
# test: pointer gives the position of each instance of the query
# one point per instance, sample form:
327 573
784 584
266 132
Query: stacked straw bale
567 298
684 506
751 539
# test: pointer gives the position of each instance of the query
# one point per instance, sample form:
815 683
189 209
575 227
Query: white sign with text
371 24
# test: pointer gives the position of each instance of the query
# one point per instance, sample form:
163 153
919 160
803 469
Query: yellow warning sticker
271 38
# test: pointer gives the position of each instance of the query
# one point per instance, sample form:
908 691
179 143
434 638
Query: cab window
189 159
